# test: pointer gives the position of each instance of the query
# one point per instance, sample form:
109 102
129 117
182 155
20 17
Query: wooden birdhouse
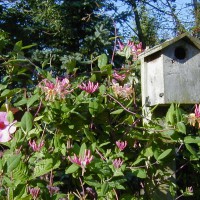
170 72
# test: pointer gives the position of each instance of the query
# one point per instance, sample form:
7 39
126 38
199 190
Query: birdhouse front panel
181 65
152 79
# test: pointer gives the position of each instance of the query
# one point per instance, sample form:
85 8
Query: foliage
81 136
71 120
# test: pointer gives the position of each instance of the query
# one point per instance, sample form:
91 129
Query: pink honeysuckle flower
195 117
58 89
190 189
82 160
192 119
6 128
62 87
53 189
90 87
34 192
197 111
119 77
121 145
125 91
136 49
117 163
121 45
36 147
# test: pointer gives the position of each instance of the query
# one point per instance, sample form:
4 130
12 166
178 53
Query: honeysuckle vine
80 134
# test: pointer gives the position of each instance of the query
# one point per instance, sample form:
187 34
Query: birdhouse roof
184 36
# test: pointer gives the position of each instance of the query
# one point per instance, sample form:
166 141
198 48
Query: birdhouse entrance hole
180 53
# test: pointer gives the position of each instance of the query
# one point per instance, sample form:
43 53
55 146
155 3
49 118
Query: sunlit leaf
13 162
181 127
71 169
140 173
27 121
102 60
164 154
191 139
117 112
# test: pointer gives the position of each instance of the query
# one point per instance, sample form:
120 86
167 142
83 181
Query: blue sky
184 13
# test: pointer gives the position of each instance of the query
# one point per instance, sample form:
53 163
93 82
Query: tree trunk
138 24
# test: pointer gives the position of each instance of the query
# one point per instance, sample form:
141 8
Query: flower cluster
125 92
82 161
117 163
6 128
90 87
195 117
58 89
119 77
136 49
36 147
121 145
53 189
34 192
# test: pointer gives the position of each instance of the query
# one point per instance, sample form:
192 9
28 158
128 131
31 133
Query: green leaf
104 189
93 182
27 121
8 181
164 154
28 46
181 127
102 60
20 173
117 112
10 116
9 93
168 133
43 167
79 115
73 168
82 149
3 87
138 160
140 173
89 135
170 115
71 65
148 152
107 69
12 162
93 107
118 173
93 78
10 193
191 139
104 144
18 47
19 191
38 118
63 149
102 89
192 150
21 102
32 100
178 114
